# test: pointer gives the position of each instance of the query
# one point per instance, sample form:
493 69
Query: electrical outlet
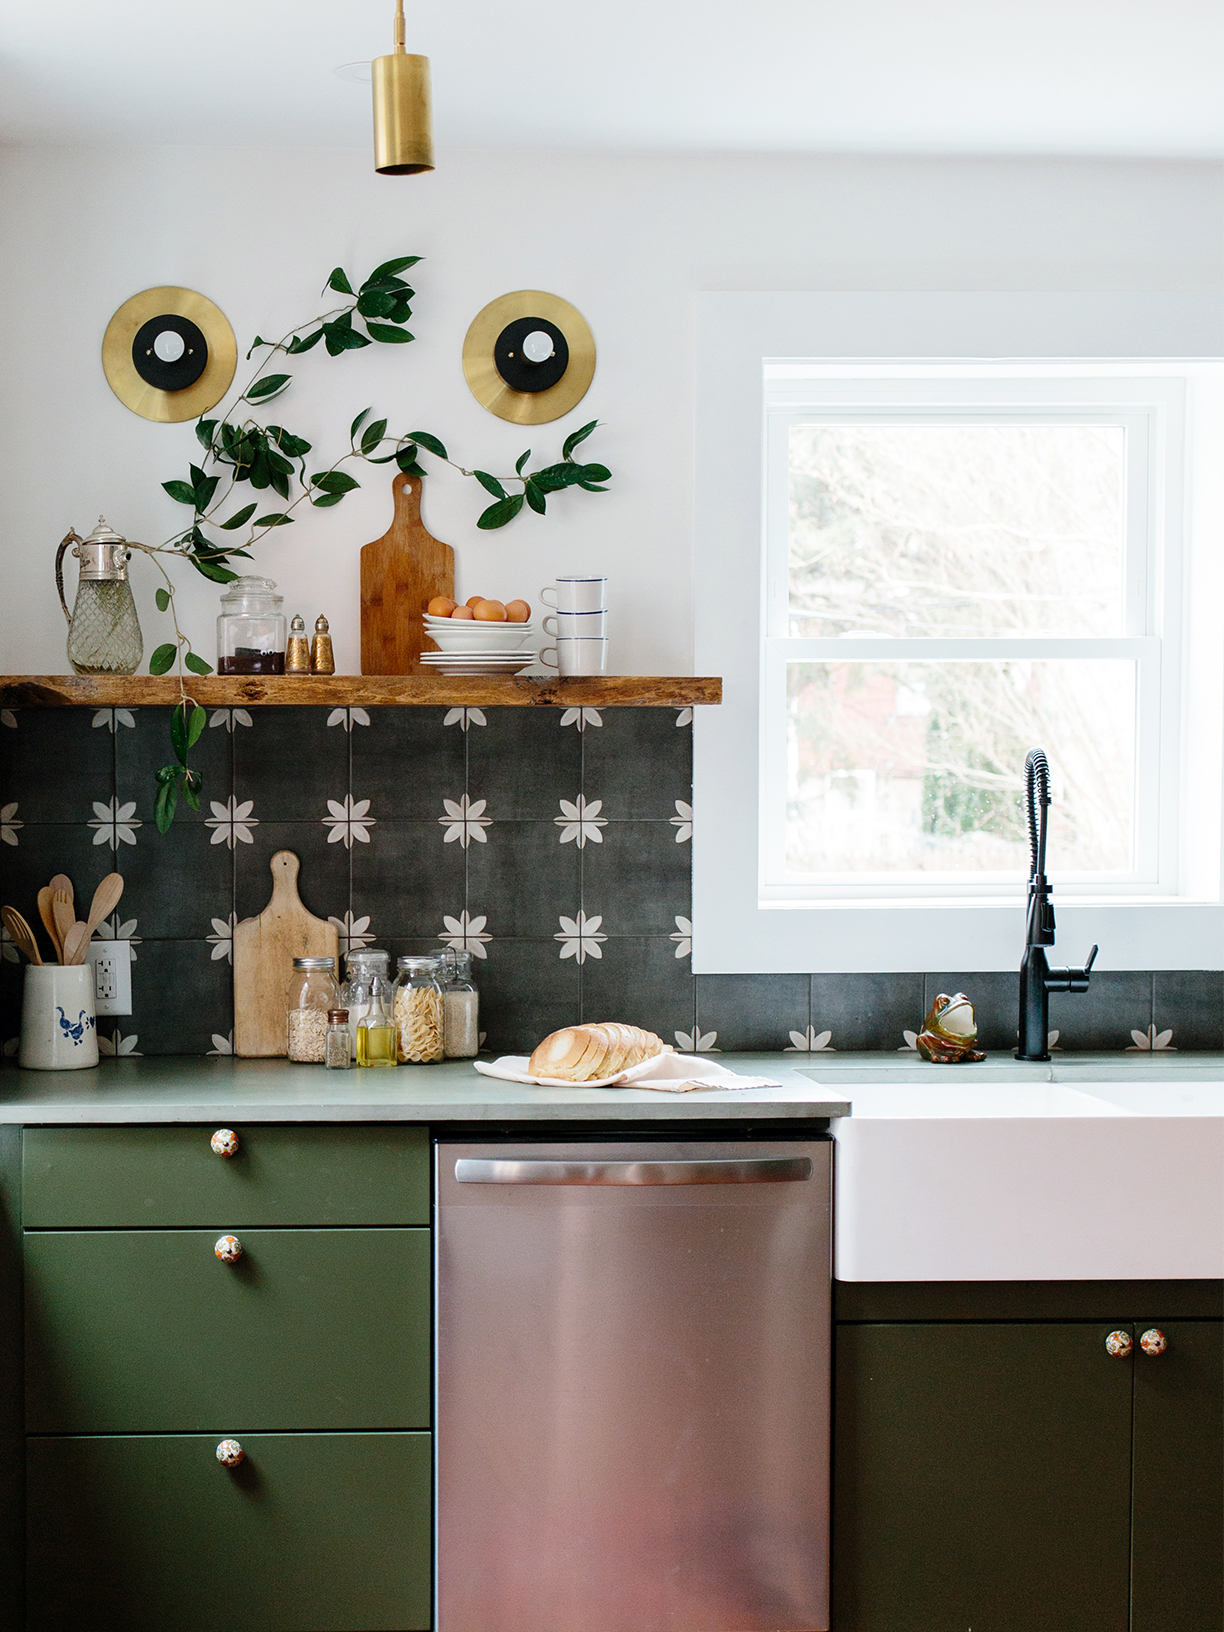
112 970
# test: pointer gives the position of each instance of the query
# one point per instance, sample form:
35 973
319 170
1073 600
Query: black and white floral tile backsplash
554 844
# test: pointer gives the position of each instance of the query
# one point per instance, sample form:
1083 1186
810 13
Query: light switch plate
112 967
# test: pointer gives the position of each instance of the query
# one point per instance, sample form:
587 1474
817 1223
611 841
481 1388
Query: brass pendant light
403 123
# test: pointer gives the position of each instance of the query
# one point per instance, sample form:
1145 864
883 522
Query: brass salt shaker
297 650
322 658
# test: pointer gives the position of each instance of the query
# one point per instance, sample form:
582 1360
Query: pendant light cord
399 26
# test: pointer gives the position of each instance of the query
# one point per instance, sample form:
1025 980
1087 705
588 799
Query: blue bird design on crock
77 1028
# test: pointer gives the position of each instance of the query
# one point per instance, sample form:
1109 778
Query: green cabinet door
1178 1556
145 1331
313 1533
981 1479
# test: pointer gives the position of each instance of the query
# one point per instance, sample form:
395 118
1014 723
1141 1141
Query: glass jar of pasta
418 1011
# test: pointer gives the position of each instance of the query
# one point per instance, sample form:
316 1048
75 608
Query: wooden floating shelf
361 691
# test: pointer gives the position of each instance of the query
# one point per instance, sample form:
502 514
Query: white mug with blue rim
59 1030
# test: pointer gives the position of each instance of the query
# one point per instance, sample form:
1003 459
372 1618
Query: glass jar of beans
312 992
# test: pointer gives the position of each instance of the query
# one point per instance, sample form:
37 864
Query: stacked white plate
471 647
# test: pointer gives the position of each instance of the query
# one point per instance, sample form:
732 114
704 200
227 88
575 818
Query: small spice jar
418 1011
297 650
322 658
460 1007
338 1044
251 628
311 996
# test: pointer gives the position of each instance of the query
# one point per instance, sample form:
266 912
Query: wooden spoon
22 934
47 914
64 914
106 899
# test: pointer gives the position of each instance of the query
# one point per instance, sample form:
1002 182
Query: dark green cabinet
1006 1476
313 1533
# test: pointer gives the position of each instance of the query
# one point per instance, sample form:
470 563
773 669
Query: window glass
918 766
942 529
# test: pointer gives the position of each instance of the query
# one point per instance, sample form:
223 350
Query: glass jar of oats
311 994
418 1011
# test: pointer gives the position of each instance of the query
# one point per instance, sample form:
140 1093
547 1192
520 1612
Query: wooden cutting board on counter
264 950
401 572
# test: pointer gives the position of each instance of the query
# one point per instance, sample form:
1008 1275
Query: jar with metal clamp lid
251 628
103 630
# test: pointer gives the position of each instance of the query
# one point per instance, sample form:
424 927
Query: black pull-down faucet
1037 979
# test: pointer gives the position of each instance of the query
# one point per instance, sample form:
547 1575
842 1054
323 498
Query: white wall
629 241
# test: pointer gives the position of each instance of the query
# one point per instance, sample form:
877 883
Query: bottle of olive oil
376 1030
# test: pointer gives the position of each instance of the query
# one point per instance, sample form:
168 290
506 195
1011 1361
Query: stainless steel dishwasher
632 1421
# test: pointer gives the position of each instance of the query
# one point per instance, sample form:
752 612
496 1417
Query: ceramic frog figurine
949 1032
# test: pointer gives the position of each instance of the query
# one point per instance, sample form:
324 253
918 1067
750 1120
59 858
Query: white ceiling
1109 77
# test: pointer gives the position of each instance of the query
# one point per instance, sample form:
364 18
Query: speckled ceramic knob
1153 1341
224 1142
230 1454
229 1250
1119 1344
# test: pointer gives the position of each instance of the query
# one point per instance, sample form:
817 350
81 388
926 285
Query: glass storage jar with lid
312 993
460 1007
251 628
418 1010
367 968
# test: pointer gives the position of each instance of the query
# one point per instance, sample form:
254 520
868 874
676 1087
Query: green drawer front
313 1533
145 1331
124 1178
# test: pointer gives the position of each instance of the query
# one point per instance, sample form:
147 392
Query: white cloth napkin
668 1073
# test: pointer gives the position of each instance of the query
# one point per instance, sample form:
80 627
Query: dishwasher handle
534 1170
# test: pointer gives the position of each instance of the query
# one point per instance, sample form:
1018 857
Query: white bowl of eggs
479 625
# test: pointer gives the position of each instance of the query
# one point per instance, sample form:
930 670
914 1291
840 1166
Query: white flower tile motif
348 821
111 718
232 822
228 717
352 933
1052 1041
463 717
580 821
580 937
222 938
8 949
464 821
222 1046
697 1041
1153 1041
348 717
582 717
119 1046
811 1041
683 937
684 716
8 717
682 821
11 1047
910 1046
9 823
111 929
114 824
466 933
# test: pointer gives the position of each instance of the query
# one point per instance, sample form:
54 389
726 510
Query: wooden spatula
64 914
22 934
106 899
46 905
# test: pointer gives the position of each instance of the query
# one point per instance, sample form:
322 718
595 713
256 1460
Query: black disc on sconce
169 374
517 367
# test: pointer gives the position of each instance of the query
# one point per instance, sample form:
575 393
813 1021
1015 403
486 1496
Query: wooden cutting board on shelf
264 950
401 572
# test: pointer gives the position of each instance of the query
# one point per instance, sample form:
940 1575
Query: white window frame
1151 363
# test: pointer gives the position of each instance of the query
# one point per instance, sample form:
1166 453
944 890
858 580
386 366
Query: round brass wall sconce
529 357
169 354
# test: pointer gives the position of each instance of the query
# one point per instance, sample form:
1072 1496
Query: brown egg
491 612
518 612
440 607
474 601
463 612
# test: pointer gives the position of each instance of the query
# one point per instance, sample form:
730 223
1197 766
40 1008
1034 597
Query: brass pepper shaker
322 658
297 651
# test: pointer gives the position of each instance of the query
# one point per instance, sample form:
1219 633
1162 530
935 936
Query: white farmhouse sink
1030 1181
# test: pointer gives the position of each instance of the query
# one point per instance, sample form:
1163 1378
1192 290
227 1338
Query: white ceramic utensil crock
59 1031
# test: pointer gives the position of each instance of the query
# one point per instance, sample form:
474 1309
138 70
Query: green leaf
294 446
274 518
376 303
197 665
163 658
168 773
406 459
573 439
534 497
210 569
592 487
429 443
342 336
357 423
385 460
334 481
595 473
402 310
180 732
388 336
490 483
165 804
268 387
204 432
192 782
326 500
279 483
298 345
373 435
554 477
389 269
181 491
521 461
203 487
339 282
163 599
238 519
497 515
